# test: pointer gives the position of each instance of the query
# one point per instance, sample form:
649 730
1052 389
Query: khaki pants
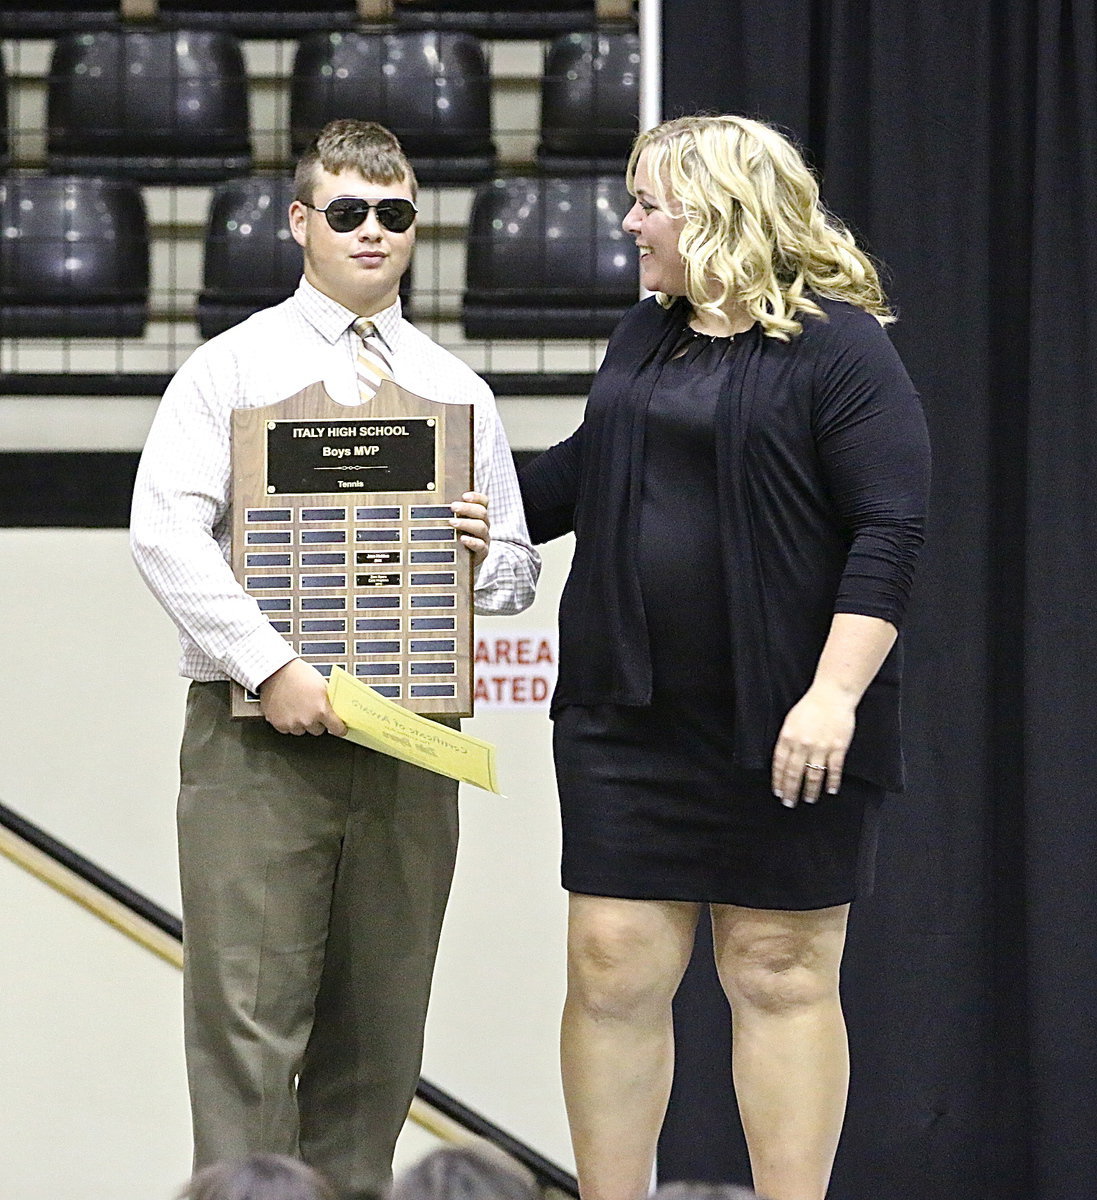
314 876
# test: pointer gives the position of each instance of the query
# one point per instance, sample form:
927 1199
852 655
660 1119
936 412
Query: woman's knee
781 967
780 983
621 963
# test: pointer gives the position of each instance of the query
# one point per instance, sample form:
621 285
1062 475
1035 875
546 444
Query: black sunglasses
345 213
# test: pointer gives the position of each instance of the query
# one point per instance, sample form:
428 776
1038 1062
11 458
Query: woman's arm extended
550 489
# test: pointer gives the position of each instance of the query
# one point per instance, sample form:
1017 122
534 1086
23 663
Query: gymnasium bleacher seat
5 143
470 286
246 18
433 90
74 258
159 106
288 18
251 260
590 100
25 20
518 19
548 258
260 18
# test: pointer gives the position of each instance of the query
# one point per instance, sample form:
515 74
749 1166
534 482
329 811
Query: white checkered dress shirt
180 526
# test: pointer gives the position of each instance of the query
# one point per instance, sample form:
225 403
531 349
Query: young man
314 872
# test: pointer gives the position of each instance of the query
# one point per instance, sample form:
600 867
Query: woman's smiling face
656 232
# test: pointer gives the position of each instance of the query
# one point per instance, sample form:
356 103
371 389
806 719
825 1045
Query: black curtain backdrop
960 142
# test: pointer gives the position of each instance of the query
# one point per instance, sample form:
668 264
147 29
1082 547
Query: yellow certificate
380 724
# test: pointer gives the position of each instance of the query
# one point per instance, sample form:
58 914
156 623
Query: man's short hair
370 149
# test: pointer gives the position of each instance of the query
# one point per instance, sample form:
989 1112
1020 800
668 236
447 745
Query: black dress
653 806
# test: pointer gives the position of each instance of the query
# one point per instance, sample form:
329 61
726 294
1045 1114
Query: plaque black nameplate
314 457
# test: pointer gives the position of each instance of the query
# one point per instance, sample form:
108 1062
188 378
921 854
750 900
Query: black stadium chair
260 18
290 18
74 257
548 258
518 19
159 106
590 103
433 90
29 20
5 145
251 260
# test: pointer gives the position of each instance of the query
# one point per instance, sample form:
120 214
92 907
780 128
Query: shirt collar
331 320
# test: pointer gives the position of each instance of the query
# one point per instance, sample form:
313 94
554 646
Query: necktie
373 364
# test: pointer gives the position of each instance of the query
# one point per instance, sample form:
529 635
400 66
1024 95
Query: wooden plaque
340 532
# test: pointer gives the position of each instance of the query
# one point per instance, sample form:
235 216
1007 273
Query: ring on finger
815 766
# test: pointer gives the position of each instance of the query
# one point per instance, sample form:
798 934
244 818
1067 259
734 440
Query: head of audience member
258 1177
704 1191
465 1173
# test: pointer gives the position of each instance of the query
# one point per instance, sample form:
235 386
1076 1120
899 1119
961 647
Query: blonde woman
747 492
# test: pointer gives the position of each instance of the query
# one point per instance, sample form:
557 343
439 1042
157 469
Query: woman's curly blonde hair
755 231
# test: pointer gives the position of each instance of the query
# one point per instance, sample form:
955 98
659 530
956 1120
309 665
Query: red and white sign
516 669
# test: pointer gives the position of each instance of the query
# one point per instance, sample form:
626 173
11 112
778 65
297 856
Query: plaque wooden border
404 586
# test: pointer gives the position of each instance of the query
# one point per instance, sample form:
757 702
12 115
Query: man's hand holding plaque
295 700
470 518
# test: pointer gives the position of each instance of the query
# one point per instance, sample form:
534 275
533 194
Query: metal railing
161 933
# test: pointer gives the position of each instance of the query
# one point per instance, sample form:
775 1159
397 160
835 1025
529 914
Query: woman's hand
470 519
811 748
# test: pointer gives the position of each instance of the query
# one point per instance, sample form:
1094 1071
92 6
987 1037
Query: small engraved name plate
340 532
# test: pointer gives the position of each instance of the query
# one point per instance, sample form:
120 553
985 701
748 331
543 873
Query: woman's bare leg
790 1057
625 961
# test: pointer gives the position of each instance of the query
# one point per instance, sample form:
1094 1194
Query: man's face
360 269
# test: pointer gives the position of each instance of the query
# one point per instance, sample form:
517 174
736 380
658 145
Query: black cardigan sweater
822 479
